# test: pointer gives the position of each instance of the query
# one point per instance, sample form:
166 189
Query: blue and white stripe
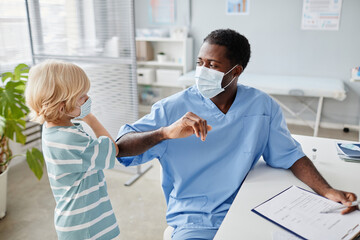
74 162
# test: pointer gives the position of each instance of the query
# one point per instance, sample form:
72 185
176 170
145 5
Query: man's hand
344 198
305 170
187 126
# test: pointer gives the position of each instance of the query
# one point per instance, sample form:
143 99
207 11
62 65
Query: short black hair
238 47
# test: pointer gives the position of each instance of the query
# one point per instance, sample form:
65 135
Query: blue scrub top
201 179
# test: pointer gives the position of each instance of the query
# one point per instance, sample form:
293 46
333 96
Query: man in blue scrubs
209 136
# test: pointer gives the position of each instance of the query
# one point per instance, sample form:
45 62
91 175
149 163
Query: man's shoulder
256 99
179 98
255 93
252 90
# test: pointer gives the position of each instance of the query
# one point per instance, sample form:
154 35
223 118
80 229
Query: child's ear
62 107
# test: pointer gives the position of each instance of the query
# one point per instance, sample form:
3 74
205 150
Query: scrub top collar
212 106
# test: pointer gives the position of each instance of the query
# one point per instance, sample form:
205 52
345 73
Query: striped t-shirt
74 163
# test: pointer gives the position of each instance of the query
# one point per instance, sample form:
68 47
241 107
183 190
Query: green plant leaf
2 125
6 76
12 100
38 156
12 115
35 160
20 71
15 127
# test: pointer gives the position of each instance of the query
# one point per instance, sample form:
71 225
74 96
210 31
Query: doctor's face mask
208 81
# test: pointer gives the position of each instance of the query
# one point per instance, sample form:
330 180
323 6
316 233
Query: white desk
356 79
264 182
290 86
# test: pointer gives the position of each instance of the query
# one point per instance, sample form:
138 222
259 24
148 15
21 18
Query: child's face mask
85 109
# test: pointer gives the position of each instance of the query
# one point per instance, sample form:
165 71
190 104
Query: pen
330 210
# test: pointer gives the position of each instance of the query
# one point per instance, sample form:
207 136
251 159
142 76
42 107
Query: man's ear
238 70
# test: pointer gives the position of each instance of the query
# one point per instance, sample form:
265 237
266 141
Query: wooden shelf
159 39
157 63
168 84
179 61
354 79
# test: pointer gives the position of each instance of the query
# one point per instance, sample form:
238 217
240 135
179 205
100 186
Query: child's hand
88 118
98 128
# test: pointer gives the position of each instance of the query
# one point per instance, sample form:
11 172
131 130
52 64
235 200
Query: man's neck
224 100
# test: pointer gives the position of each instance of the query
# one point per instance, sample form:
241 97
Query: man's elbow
120 148
301 163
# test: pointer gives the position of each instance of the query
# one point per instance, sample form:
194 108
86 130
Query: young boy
57 93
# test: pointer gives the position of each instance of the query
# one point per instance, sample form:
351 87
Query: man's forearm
135 143
305 170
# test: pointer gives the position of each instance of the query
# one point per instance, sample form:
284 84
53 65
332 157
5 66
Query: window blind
14 35
98 36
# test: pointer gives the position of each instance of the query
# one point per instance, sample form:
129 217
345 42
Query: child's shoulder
66 135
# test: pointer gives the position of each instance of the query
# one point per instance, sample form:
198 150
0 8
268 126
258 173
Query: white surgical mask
85 109
208 81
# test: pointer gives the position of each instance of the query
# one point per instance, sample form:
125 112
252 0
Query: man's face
214 57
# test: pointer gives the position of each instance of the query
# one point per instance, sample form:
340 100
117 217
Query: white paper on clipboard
298 211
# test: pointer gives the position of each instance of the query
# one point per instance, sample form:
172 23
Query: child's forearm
98 128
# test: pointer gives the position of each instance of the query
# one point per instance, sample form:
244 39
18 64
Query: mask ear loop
231 79
67 114
231 69
229 83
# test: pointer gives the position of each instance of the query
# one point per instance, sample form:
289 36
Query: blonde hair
52 83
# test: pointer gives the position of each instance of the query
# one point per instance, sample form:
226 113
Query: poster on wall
321 15
162 11
237 7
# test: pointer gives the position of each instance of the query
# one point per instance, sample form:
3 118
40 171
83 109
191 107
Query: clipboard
349 152
298 211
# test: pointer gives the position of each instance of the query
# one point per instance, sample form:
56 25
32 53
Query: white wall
279 46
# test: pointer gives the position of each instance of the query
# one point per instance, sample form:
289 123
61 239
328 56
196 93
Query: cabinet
157 75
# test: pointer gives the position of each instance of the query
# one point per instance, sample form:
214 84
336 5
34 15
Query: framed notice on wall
237 7
162 11
321 15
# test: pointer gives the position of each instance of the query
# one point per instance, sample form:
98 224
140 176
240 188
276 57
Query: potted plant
13 112
161 57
